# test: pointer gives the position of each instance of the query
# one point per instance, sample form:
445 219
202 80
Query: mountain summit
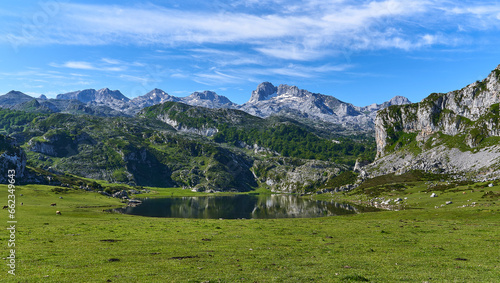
269 100
13 98
208 99
104 95
153 97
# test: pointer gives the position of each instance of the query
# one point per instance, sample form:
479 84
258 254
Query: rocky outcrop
202 131
264 91
289 175
473 107
447 131
55 143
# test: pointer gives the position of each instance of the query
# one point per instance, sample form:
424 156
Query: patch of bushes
492 195
344 178
59 190
378 190
411 176
114 189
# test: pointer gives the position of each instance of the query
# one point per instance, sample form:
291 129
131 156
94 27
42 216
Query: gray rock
121 194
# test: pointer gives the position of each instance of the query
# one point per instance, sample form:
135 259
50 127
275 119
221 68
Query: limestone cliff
467 119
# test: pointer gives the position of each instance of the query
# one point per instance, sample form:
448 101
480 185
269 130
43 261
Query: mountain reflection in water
238 206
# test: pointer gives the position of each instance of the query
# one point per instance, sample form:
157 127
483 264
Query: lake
239 206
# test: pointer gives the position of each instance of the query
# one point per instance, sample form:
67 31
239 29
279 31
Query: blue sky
361 52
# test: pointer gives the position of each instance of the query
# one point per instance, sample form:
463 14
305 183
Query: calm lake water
239 206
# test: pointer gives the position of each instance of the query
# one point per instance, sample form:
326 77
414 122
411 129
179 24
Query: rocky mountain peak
12 98
398 100
264 91
105 94
208 99
157 93
15 93
207 94
42 96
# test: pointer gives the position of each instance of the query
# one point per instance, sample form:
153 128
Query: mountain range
272 140
265 101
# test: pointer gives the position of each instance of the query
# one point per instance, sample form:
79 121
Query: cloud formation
295 30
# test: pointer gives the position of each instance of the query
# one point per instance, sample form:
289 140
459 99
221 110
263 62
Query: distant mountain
208 99
104 95
266 100
396 100
13 98
156 96
269 100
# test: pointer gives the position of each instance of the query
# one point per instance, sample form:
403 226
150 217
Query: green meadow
458 242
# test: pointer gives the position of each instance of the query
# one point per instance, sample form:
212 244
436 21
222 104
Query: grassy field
422 243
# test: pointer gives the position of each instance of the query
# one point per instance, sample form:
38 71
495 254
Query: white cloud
111 61
81 65
136 79
289 30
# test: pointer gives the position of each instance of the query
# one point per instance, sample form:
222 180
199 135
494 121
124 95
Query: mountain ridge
265 101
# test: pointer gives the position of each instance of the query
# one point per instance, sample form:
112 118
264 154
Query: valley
429 168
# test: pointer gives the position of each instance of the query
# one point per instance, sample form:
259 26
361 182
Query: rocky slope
13 98
455 132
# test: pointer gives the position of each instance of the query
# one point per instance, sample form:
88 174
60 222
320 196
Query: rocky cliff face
467 119
11 158
451 113
294 175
